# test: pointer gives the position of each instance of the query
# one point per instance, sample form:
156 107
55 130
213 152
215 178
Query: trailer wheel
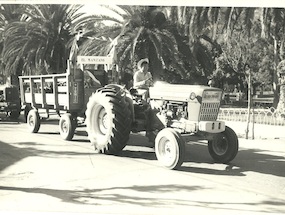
33 121
67 126
169 148
224 146
26 112
108 120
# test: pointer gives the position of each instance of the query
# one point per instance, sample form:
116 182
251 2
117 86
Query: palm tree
136 32
8 14
196 30
39 42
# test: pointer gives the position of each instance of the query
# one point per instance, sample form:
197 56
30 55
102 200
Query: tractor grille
209 111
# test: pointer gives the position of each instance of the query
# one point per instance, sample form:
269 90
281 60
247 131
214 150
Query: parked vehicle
10 101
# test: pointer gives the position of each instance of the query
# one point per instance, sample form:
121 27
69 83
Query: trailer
66 94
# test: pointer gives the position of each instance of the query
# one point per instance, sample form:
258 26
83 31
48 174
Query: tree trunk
281 81
155 65
275 77
249 99
281 103
253 121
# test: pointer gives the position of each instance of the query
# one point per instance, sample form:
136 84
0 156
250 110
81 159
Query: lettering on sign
212 96
75 93
94 60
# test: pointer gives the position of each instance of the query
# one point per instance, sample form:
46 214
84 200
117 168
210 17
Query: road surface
42 173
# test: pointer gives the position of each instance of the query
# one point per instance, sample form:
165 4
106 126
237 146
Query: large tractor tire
223 148
33 121
67 126
108 119
169 148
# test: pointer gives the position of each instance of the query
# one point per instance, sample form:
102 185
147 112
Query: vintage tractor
171 115
10 101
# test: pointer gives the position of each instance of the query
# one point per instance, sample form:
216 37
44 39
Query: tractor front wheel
224 146
169 148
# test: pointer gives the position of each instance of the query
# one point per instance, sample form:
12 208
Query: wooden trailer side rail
56 91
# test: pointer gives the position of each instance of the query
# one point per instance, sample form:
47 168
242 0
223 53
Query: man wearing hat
142 77
142 81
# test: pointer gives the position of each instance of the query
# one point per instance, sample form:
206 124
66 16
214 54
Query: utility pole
249 99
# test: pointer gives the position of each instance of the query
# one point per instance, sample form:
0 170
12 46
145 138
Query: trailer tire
26 112
108 119
223 148
67 126
170 148
33 121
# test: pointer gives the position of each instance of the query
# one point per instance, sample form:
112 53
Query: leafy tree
272 21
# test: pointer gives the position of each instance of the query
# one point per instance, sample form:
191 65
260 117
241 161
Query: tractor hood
182 93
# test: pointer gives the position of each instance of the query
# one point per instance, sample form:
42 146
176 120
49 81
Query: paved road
40 172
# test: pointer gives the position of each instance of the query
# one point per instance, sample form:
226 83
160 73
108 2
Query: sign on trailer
94 60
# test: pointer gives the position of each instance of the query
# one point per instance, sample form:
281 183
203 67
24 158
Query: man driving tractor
143 78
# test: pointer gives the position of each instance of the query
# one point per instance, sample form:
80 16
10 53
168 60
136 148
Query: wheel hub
220 147
64 127
31 121
103 121
168 150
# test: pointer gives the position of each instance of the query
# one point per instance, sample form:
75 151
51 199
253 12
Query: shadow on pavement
126 196
258 161
138 154
48 133
8 121
10 155
254 160
113 194
51 153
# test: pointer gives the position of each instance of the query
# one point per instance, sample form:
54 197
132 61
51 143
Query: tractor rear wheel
67 126
224 146
108 120
33 121
169 148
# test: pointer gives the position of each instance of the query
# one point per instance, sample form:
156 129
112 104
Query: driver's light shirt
139 77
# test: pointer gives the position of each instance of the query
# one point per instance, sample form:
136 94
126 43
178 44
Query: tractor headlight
192 96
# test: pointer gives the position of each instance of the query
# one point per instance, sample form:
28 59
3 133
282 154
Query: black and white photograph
142 108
